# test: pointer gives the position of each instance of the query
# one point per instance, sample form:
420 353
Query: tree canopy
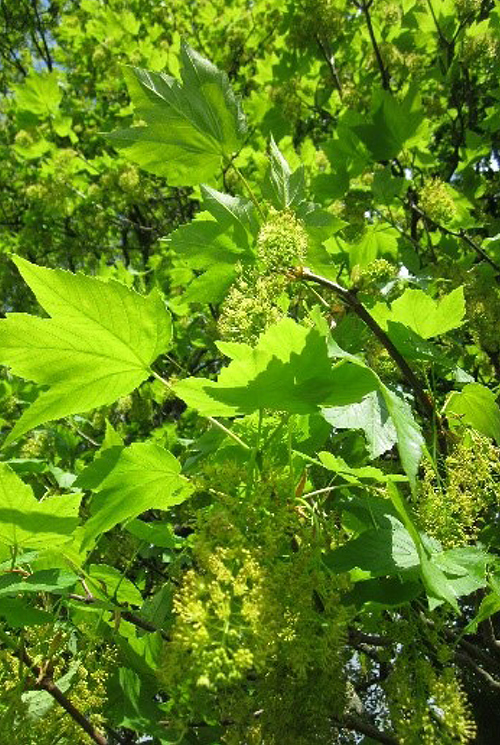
250 438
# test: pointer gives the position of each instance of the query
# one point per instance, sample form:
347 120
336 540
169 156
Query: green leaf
422 314
131 703
338 465
129 481
27 522
410 438
190 126
288 370
382 551
231 212
97 345
393 124
383 592
377 241
490 605
18 614
371 416
39 93
109 582
203 243
282 187
56 581
155 534
475 406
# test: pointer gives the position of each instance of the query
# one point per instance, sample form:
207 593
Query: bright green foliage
25 522
475 406
322 565
189 128
129 481
422 314
289 370
96 346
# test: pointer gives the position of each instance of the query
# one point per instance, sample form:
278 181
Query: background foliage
250 309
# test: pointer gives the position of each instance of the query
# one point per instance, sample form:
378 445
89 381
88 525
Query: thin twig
211 419
330 61
45 682
358 724
365 8
127 615
351 300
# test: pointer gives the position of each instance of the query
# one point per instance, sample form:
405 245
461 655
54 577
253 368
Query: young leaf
282 187
290 369
476 406
190 126
129 481
27 522
369 415
229 211
422 314
97 345
39 94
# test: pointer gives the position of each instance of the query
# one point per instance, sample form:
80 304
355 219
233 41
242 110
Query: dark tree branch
462 234
47 56
357 724
350 299
330 61
365 8
45 682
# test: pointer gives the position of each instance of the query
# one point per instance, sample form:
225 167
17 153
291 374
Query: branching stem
350 299
45 682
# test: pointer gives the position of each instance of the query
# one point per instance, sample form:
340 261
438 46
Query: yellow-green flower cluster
377 272
258 626
282 242
483 310
436 201
250 306
428 707
454 511
87 690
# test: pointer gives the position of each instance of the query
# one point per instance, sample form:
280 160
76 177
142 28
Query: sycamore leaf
394 124
203 243
190 126
289 369
338 465
29 523
39 93
56 581
369 415
476 406
282 187
231 212
129 481
419 312
410 438
97 345
385 551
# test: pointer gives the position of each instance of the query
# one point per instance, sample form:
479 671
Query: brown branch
127 615
365 8
465 659
358 724
330 61
47 57
350 299
45 682
462 234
